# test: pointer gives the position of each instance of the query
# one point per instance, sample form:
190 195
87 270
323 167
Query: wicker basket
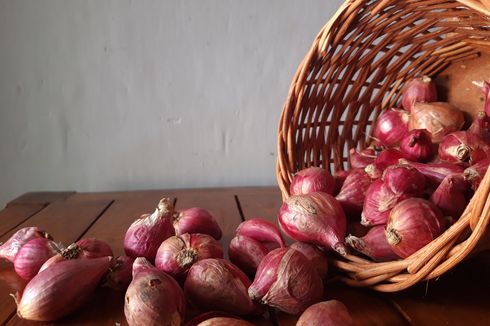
354 69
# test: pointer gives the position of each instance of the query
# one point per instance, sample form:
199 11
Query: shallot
360 159
177 254
32 255
218 284
196 220
390 127
286 280
120 273
439 118
417 144
224 321
352 194
316 218
374 244
61 289
450 195
462 147
378 203
154 298
412 224
261 230
404 179
314 255
146 234
9 249
326 313
312 179
246 253
481 126
475 173
420 89
94 248
434 173
389 157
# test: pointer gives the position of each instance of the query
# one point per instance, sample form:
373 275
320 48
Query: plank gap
95 220
239 206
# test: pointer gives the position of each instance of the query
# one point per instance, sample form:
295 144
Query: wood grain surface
458 297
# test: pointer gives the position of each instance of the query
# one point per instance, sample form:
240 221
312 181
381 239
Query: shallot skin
225 321
196 220
9 249
326 313
261 230
312 179
246 253
419 89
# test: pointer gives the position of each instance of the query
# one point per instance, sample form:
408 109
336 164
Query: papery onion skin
177 254
225 321
120 273
475 173
417 144
94 248
145 235
463 147
374 244
390 127
439 118
419 89
434 173
262 230
32 255
351 196
61 289
9 249
450 195
326 313
481 126
153 298
412 224
312 179
295 286
360 159
316 218
218 284
378 203
388 157
196 220
246 253
314 255
404 179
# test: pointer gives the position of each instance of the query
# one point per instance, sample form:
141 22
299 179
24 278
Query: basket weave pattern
355 68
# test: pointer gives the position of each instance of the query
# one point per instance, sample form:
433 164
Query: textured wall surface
120 95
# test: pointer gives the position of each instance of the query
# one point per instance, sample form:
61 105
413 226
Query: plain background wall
121 95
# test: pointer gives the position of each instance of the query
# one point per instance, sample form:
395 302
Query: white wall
118 95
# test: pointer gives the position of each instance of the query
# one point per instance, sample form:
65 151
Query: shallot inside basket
353 71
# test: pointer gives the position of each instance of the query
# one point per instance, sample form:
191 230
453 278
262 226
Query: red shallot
434 173
378 203
463 147
261 230
94 248
481 126
61 289
374 244
196 220
120 273
326 313
32 255
360 159
417 144
419 89
218 284
315 218
404 179
312 179
439 118
413 223
9 249
389 157
153 298
177 254
146 234
246 253
315 256
353 192
390 127
224 321
475 173
450 195
286 280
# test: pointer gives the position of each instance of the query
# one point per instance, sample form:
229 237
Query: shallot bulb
351 196
315 256
315 218
218 284
177 254
420 89
417 144
462 147
286 280
246 253
312 179
261 230
450 195
374 244
340 177
481 126
120 273
9 249
146 234
326 313
404 179
196 220
413 223
378 203
361 159
475 173
390 127
210 315
94 248
439 118
32 255
225 321
154 298
389 157
486 93
61 289
434 173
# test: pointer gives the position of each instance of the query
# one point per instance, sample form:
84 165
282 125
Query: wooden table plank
13 215
44 198
80 213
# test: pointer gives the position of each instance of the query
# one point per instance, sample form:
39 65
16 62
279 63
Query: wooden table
460 297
